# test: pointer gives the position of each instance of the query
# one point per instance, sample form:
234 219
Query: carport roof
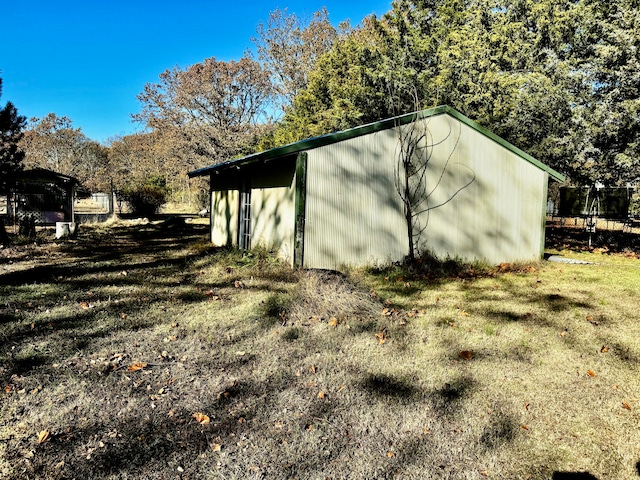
331 138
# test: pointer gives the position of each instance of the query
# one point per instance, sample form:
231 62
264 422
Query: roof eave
310 143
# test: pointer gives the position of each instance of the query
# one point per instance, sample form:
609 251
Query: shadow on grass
388 386
143 434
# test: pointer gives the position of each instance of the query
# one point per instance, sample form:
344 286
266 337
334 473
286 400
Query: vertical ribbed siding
497 217
352 205
354 214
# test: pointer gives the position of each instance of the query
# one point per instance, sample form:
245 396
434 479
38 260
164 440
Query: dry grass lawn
138 351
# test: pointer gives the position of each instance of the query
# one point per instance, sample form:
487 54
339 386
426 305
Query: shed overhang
328 139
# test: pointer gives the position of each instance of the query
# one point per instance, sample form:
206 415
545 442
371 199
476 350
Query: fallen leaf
201 418
591 373
524 427
43 436
626 406
322 395
563 333
382 337
333 322
312 369
59 465
390 454
604 349
84 305
136 366
466 355
8 389
464 314
484 473
216 447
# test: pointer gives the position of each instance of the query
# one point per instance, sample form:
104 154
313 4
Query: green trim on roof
332 138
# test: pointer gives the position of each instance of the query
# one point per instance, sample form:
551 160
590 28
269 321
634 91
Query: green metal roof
332 138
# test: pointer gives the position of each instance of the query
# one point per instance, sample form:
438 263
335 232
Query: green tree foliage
344 90
609 114
11 155
11 131
556 78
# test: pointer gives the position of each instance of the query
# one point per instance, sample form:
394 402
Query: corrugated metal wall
489 200
498 217
352 205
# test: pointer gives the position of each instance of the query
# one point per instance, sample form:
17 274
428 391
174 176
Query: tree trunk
408 214
4 238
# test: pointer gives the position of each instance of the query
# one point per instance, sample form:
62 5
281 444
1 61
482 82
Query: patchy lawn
138 351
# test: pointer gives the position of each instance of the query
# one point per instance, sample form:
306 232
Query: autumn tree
211 110
289 47
132 158
53 143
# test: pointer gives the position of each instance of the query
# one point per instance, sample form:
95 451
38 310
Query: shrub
146 199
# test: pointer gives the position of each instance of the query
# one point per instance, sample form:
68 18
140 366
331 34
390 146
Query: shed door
244 232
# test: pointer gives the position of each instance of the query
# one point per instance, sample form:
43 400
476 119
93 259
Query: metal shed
333 200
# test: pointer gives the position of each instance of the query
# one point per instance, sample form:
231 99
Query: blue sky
88 60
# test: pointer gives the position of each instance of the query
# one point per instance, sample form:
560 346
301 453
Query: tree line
557 78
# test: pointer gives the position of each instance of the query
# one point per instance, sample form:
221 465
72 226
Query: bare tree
415 155
289 47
